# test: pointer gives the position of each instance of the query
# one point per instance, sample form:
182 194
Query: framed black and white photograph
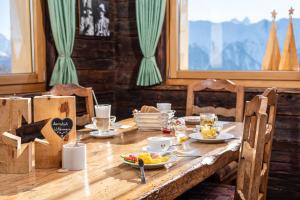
94 18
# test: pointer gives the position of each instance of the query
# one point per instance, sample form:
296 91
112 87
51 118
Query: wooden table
107 178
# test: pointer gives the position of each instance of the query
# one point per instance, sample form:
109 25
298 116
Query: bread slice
149 109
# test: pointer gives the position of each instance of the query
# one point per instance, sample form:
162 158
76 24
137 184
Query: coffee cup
164 107
159 143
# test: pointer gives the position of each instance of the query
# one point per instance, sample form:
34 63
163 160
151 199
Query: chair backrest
216 85
272 96
72 89
252 149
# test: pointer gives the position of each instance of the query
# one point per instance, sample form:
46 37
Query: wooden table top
106 177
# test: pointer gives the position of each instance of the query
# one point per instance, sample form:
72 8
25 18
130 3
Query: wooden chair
272 96
228 173
72 89
250 159
252 149
216 85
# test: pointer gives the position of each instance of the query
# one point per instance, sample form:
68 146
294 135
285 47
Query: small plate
172 159
93 127
222 137
106 134
150 150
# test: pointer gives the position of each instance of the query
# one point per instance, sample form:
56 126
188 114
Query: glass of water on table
102 120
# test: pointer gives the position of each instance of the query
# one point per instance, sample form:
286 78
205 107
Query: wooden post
60 129
15 158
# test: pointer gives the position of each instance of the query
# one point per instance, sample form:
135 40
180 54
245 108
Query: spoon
78 137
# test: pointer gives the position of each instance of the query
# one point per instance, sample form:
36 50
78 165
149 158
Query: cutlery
173 145
141 165
169 165
191 156
234 138
78 137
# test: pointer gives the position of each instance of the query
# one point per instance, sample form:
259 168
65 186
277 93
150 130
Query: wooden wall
110 66
94 58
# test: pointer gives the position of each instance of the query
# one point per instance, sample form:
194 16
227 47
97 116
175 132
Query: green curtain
62 18
150 17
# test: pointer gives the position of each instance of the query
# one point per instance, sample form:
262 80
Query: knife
189 155
141 165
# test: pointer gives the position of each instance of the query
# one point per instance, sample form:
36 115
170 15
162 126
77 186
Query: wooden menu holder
15 158
60 129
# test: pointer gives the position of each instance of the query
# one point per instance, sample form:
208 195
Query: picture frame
94 18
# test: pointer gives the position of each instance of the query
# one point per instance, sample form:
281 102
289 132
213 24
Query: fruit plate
221 137
172 158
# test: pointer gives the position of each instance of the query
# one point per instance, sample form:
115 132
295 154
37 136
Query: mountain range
5 55
233 45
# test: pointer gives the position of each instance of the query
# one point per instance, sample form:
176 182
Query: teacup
164 107
159 143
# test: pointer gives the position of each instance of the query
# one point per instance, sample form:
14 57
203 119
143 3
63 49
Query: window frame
175 76
35 81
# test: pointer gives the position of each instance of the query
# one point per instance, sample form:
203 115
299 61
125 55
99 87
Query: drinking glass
208 119
164 107
102 119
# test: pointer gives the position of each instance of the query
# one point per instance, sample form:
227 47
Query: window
227 40
16 37
22 46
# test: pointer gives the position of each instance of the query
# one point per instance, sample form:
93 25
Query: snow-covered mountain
241 44
5 54
4 44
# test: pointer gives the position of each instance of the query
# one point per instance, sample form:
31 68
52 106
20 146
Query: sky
213 10
5 18
226 10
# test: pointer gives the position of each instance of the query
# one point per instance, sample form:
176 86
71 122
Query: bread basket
152 121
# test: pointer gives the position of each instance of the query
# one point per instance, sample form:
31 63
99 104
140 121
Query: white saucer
222 137
150 150
106 134
93 127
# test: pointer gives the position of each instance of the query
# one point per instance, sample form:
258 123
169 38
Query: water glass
164 107
208 119
102 119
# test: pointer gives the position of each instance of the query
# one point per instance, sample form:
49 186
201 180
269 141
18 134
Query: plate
106 134
222 137
192 120
172 159
150 150
93 127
